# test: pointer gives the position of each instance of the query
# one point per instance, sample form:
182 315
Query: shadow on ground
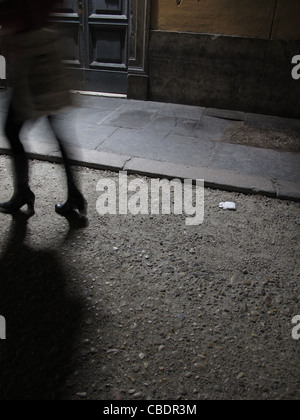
42 320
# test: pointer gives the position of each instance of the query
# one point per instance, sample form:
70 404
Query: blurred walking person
39 84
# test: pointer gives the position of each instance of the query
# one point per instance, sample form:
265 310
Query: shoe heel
75 202
18 201
82 206
30 206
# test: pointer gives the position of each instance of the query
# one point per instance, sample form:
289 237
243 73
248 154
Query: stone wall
228 54
267 19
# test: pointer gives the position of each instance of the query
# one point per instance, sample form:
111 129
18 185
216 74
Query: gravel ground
145 307
287 140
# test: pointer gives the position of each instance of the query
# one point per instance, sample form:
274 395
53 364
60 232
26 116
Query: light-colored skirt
36 74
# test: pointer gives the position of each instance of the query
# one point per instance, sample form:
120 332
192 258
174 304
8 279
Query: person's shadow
42 320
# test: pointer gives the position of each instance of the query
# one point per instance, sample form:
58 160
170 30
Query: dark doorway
95 43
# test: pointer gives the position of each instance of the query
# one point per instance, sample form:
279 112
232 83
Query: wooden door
95 42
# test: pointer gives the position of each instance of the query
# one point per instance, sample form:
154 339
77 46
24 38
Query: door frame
139 27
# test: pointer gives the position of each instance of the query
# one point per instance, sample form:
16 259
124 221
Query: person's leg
75 200
22 193
70 177
20 161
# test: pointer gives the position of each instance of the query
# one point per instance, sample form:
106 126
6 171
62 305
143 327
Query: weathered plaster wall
287 20
248 18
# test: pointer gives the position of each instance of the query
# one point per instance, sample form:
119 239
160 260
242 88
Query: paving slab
181 111
171 148
287 190
255 161
166 140
220 179
225 114
210 128
271 122
128 119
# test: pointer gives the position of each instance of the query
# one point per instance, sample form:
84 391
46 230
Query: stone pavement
166 140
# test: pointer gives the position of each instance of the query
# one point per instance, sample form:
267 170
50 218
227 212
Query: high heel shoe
75 202
19 200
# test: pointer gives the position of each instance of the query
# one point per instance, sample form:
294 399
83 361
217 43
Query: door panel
108 7
71 49
68 22
95 42
107 48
